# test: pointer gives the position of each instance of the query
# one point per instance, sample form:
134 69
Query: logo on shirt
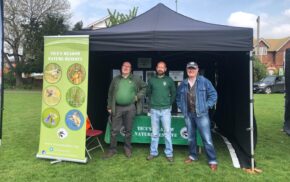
164 83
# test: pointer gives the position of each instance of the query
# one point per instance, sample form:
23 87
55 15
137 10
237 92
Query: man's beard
160 73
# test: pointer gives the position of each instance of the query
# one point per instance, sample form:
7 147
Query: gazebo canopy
161 29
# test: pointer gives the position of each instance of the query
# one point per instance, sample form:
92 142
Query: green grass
21 135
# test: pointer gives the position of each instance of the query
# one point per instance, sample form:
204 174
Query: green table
141 132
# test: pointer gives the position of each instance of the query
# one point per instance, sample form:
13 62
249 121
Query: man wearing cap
125 91
195 95
161 91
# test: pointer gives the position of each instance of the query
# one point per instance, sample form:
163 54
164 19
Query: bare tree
18 16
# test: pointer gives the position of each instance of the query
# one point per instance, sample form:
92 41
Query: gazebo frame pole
251 113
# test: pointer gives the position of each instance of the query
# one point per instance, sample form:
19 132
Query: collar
129 76
191 82
161 77
186 80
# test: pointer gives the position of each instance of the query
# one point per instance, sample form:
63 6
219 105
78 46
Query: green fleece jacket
140 87
161 92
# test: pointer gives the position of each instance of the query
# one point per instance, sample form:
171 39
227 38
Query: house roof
98 21
274 44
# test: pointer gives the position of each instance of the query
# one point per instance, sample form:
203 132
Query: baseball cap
192 65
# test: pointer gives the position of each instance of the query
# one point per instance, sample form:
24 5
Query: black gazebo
222 52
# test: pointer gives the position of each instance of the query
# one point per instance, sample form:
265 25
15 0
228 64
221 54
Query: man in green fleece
161 91
125 90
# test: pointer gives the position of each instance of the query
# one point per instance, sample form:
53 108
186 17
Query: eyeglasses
126 66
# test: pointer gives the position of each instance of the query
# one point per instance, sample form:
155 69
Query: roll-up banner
64 98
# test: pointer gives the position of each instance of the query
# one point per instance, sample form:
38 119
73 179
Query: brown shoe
188 160
150 157
213 167
169 159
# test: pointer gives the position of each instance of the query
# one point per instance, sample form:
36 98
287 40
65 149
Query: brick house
272 52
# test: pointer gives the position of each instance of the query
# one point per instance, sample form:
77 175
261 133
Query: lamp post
258 39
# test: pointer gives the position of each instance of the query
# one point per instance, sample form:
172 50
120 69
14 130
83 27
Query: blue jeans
203 125
165 116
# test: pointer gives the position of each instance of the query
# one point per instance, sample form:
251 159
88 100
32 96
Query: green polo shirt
126 92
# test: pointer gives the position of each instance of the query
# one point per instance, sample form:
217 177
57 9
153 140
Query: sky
274 14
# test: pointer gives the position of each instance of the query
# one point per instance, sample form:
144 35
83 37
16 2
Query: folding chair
92 138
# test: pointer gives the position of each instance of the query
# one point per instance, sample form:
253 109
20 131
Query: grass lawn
21 135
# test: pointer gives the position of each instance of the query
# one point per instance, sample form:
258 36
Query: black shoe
109 155
169 159
150 157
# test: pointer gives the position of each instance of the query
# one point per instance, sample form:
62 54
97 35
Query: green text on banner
64 98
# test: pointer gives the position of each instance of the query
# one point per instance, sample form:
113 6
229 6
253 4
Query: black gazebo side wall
233 109
287 96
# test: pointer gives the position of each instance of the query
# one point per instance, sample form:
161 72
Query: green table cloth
141 132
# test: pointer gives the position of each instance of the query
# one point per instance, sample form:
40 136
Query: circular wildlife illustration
74 119
51 95
76 74
50 117
75 96
52 73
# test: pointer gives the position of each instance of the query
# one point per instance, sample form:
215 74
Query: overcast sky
274 14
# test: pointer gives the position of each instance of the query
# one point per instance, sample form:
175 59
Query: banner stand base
59 159
55 161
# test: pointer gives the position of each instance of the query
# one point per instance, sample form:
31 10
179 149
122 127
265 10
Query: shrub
9 80
259 69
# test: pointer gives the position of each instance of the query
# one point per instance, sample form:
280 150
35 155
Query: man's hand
109 110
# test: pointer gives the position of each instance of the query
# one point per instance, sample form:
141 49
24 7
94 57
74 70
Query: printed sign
64 98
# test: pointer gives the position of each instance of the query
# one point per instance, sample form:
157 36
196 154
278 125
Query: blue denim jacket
206 96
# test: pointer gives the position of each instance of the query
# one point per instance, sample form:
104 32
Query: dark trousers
124 116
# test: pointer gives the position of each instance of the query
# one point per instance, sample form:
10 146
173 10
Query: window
262 51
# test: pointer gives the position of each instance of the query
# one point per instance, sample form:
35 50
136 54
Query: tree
22 27
116 18
259 69
78 26
51 25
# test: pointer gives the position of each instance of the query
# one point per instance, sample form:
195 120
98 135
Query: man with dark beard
161 91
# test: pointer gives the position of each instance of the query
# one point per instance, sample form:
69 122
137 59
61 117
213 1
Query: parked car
270 84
